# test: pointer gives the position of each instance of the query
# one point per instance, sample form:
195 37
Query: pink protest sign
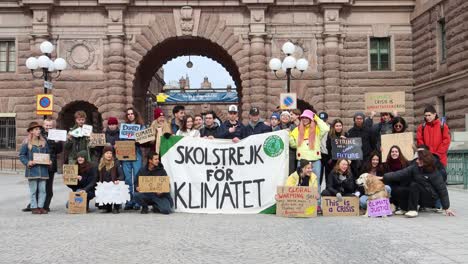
379 207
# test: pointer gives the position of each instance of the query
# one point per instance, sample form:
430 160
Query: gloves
167 135
339 197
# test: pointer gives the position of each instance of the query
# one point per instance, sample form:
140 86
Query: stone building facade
115 47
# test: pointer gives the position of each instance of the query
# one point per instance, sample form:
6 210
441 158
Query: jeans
37 185
130 169
163 204
363 199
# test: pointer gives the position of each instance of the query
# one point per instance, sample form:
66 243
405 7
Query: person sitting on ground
161 202
211 128
303 176
340 182
187 128
426 186
374 167
87 173
396 161
110 170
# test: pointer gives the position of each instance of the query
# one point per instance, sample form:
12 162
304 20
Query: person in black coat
426 186
161 202
86 177
340 182
112 132
363 131
110 170
231 128
255 126
211 128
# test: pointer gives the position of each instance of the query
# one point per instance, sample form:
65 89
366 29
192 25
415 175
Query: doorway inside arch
66 119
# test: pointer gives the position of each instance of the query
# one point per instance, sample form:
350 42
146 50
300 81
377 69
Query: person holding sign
303 176
76 142
36 172
399 125
364 132
161 202
306 139
110 170
187 128
86 177
426 185
336 131
340 182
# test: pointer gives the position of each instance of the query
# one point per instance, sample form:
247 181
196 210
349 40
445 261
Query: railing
10 163
457 168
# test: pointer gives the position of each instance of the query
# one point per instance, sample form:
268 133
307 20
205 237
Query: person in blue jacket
255 125
231 128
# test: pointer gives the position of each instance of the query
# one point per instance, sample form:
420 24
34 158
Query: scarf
311 138
395 165
84 168
107 167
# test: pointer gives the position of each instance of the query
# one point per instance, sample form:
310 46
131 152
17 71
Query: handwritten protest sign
144 136
97 140
110 193
403 140
378 207
86 130
296 201
70 174
57 134
127 131
125 150
385 102
78 132
347 148
41 158
348 207
160 184
77 202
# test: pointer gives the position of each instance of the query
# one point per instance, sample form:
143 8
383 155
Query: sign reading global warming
222 177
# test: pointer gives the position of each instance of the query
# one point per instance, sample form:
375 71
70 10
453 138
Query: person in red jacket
435 134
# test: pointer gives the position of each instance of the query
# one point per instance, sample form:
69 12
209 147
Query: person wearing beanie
285 120
160 128
87 174
360 130
434 133
275 121
306 139
112 131
109 170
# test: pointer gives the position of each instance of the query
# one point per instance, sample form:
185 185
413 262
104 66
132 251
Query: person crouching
110 170
86 177
161 202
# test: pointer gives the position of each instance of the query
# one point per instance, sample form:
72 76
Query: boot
35 211
43 211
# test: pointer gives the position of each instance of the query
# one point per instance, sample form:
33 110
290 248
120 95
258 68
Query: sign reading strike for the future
70 174
41 158
144 136
349 206
159 184
127 131
125 150
347 148
217 176
403 140
385 102
97 140
378 207
296 201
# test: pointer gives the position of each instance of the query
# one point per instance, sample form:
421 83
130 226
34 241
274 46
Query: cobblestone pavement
198 238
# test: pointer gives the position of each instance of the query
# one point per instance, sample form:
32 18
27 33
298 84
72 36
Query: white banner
220 177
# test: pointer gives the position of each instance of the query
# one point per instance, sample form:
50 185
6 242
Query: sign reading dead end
153 184
349 206
296 201
379 207
385 102
347 148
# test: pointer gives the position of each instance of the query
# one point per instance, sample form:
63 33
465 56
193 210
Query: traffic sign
45 104
48 85
288 101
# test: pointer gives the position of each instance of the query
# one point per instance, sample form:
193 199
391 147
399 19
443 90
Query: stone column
258 69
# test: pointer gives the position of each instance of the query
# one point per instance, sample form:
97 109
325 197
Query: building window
7 56
380 54
442 40
7 133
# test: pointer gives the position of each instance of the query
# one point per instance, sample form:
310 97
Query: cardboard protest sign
348 207
70 174
86 130
296 201
385 102
97 140
347 148
379 207
152 184
403 140
57 134
127 131
288 101
78 132
144 136
125 150
77 202
41 158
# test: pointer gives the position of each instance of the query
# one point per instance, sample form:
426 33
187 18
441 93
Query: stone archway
163 40
66 118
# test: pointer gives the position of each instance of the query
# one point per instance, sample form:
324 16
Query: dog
374 187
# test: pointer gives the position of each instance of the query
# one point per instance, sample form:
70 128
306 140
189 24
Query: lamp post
47 66
288 64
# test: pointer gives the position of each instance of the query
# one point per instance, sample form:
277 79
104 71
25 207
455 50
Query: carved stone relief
82 54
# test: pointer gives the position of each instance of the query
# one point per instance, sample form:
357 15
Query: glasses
398 126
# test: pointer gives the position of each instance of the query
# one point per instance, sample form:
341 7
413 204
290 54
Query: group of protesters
414 183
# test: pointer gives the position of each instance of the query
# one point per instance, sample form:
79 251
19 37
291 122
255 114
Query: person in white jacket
187 128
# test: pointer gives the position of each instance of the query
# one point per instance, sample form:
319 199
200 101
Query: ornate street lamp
288 64
47 66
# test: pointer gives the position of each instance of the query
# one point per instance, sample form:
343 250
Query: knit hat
82 154
112 121
430 109
33 125
286 113
107 148
361 114
158 113
308 114
275 115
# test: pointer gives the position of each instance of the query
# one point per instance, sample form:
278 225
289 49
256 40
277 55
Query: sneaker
144 210
439 210
400 212
411 214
